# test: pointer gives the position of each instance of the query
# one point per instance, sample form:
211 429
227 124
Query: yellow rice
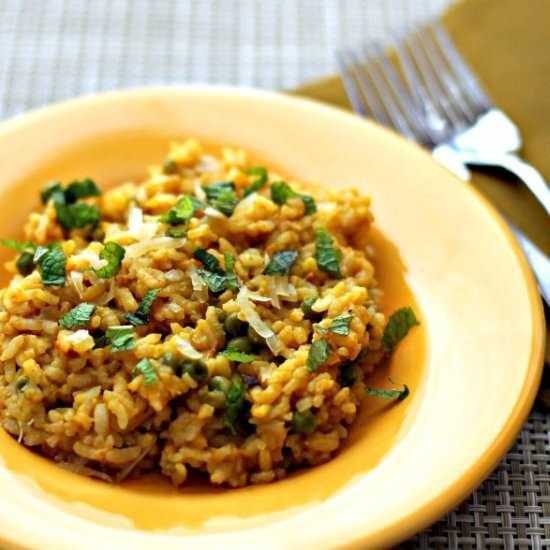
87 408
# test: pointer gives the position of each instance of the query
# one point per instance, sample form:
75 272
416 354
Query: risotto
213 318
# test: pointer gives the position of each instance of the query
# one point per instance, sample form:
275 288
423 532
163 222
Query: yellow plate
473 366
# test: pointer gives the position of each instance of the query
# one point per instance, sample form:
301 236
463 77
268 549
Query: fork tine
354 94
437 93
446 78
376 107
461 69
435 124
370 66
403 96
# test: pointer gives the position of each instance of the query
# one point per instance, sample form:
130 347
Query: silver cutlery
428 94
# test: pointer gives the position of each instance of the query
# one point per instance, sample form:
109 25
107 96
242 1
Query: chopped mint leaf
15 245
77 215
390 394
319 352
121 338
327 257
143 313
281 192
145 368
231 276
234 403
399 324
305 306
222 196
180 213
81 190
216 282
281 262
51 261
237 356
340 324
261 179
79 316
50 189
113 253
309 204
208 260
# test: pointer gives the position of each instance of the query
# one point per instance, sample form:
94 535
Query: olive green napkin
507 43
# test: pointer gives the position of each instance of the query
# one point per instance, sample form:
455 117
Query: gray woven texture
52 50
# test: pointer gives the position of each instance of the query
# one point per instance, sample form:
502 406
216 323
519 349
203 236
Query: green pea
21 382
216 398
170 359
303 422
233 325
170 167
220 383
196 369
306 307
240 343
25 263
254 337
348 374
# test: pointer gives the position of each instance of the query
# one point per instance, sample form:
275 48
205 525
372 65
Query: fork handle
529 175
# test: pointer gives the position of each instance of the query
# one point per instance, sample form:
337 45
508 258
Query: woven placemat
56 49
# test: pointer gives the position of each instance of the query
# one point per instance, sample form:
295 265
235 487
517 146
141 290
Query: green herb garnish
113 253
319 352
50 189
71 213
305 306
145 368
77 215
51 261
234 401
261 179
121 338
237 356
281 192
81 190
208 260
281 262
327 257
216 282
79 316
399 324
390 394
222 196
15 245
309 204
143 313
214 276
231 276
340 324
180 213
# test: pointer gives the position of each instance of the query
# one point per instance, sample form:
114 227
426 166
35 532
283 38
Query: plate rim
462 486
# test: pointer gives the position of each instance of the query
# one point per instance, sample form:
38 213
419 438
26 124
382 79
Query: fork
434 99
